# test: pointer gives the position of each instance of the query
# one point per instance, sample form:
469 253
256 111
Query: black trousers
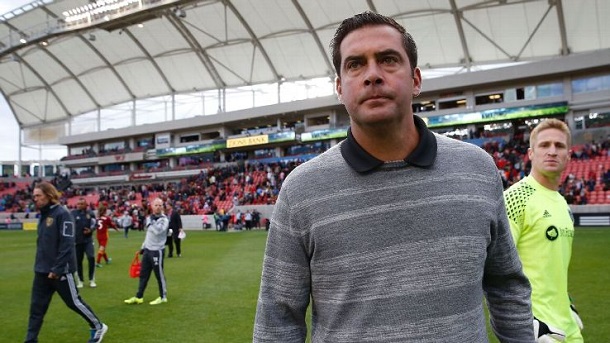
171 240
43 289
152 261
81 250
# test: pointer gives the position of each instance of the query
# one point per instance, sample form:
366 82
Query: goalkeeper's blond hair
550 124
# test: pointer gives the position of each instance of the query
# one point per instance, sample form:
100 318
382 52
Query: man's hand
53 276
576 316
547 334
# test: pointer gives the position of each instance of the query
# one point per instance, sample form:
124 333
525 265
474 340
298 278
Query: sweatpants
171 240
83 249
152 261
43 289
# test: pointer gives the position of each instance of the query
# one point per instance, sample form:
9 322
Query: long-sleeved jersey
156 232
543 229
55 244
103 224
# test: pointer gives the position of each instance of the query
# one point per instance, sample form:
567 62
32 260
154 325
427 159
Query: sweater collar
361 161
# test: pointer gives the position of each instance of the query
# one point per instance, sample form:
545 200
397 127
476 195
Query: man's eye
389 60
353 65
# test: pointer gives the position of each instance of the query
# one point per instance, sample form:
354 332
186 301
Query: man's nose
373 75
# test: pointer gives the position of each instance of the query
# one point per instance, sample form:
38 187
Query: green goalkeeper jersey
543 229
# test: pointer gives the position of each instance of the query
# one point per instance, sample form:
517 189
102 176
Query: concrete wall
195 222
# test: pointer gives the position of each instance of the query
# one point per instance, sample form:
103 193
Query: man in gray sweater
396 234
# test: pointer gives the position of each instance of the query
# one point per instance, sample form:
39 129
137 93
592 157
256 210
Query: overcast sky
9 135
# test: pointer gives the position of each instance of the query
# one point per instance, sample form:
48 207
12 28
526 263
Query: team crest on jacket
49 221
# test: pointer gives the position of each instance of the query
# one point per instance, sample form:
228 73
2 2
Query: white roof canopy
65 69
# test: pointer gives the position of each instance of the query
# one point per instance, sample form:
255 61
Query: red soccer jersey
103 224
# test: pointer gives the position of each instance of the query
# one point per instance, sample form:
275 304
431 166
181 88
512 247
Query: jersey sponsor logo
546 214
49 221
552 233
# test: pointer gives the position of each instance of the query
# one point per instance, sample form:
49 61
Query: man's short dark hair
370 19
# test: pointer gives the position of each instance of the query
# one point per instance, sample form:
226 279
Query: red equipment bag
136 265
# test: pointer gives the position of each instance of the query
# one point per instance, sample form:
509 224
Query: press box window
458 103
424 106
189 138
494 98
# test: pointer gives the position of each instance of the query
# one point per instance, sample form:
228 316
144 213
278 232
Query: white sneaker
98 335
92 284
79 284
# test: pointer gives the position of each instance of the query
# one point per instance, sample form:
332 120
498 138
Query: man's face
376 84
550 154
157 206
81 205
40 199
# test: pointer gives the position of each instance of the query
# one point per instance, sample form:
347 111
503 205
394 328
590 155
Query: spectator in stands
175 227
205 222
396 233
104 223
543 229
217 221
152 255
54 265
85 223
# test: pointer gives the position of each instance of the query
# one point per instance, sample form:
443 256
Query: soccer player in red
104 222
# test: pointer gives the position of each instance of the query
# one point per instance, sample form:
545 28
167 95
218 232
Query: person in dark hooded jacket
55 265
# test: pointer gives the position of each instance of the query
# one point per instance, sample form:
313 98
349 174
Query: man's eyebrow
387 52
378 55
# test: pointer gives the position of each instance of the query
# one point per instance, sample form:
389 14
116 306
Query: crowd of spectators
215 190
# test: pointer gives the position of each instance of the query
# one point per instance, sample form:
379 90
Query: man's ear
416 82
338 87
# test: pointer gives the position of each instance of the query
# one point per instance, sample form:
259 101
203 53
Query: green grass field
213 290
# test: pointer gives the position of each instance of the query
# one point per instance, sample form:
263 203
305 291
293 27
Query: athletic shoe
99 265
158 301
97 335
134 300
92 284
79 284
109 260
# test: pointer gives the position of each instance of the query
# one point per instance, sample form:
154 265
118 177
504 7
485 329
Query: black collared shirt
361 161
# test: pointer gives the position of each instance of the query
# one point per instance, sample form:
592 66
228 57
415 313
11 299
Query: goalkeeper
542 227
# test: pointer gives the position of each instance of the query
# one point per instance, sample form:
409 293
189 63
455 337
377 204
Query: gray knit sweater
396 254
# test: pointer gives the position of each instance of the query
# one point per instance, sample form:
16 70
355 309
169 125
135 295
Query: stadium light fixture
180 12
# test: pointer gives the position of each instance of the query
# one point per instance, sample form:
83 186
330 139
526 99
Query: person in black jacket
55 265
85 223
175 227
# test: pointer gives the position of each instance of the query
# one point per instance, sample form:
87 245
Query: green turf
213 290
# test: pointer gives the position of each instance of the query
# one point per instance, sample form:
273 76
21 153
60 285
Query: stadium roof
62 58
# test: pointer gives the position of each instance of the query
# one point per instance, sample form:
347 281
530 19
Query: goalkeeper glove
547 334
576 316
